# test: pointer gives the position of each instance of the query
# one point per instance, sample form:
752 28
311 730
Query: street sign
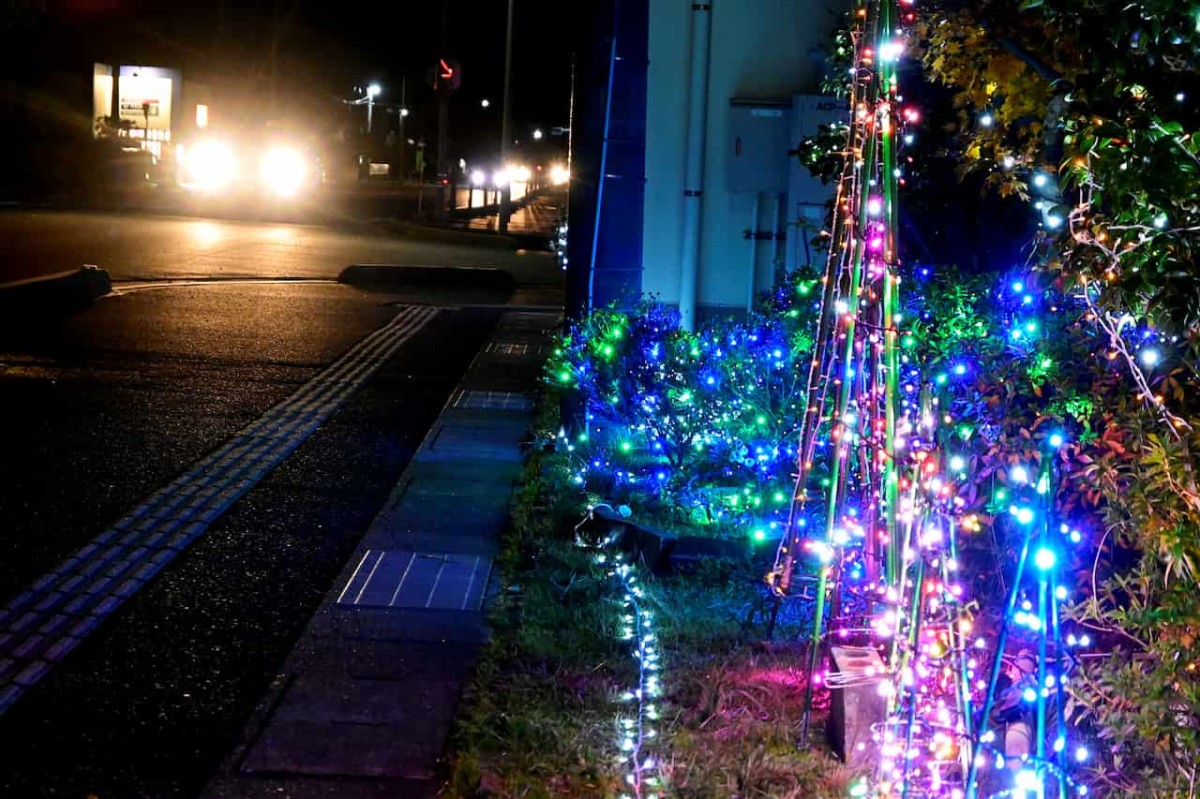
446 76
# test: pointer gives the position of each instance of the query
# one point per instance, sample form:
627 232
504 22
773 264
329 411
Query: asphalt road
133 247
107 404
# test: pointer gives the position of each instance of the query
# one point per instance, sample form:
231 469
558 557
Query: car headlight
210 166
284 170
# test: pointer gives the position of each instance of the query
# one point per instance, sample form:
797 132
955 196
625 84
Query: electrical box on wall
760 135
807 195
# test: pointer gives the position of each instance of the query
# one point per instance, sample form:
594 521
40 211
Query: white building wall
760 49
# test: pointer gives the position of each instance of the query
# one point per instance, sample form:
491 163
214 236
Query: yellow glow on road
205 234
281 235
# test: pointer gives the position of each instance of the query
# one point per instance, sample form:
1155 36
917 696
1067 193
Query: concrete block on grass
857 708
690 550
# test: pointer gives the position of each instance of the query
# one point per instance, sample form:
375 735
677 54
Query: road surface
207 334
133 247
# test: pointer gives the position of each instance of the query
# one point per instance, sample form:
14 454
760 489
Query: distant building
703 228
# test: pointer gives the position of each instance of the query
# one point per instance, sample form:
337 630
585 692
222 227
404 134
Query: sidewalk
364 703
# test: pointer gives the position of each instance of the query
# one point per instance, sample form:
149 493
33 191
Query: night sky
326 49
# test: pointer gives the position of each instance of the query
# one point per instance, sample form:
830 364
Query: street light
537 134
372 92
485 102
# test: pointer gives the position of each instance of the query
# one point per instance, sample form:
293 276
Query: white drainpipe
693 180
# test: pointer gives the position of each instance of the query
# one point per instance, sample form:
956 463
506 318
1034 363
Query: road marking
39 626
129 286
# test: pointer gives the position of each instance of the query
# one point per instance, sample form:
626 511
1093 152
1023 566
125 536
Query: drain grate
493 401
511 349
402 578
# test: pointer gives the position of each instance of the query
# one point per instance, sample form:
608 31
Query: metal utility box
808 196
760 135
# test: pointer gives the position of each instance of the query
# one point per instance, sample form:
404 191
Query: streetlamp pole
506 124
372 90
403 114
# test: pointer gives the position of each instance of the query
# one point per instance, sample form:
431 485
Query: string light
638 730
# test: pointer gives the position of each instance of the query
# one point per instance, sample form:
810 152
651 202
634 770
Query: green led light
779 496
761 419
564 376
760 534
626 446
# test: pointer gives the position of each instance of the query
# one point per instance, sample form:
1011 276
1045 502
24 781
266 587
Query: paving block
480 473
484 517
347 622
428 580
30 647
60 648
451 542
32 673
464 402
55 624
455 442
50 601
310 748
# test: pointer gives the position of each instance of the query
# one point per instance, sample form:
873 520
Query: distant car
270 169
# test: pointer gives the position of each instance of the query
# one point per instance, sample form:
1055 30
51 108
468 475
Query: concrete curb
438 235
73 288
400 275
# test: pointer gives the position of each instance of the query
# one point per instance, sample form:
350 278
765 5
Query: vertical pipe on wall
777 227
693 180
756 205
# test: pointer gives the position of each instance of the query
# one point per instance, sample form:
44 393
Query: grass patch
539 719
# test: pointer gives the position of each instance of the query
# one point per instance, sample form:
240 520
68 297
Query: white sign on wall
145 101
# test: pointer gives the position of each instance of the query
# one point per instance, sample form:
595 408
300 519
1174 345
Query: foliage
1121 479
700 422
1089 108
